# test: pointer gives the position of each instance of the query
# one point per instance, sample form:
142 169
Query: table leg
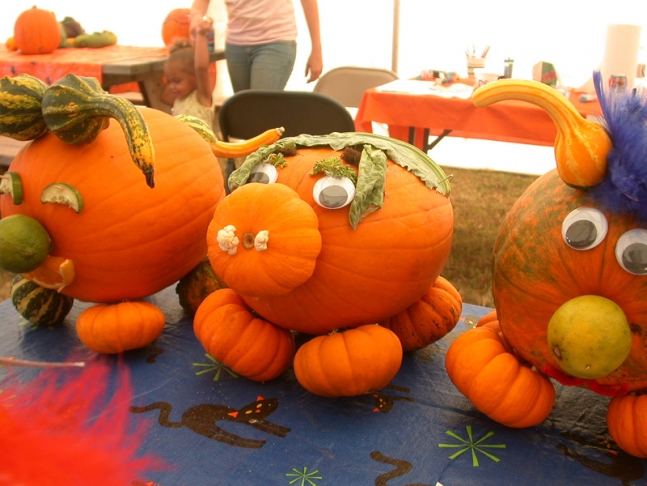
429 146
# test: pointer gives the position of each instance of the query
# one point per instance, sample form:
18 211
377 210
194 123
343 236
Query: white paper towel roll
621 52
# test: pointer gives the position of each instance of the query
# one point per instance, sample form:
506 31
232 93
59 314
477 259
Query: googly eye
631 251
584 228
264 173
333 192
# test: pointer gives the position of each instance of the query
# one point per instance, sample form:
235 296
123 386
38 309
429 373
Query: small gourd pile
107 203
569 274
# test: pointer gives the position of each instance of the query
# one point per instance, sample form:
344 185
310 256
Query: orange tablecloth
508 121
80 61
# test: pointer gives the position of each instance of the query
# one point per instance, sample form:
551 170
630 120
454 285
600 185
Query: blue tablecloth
417 431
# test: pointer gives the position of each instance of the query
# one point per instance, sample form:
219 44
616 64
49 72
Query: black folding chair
250 112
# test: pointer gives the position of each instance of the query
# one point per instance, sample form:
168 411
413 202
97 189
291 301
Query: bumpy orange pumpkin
335 365
112 329
129 241
236 338
481 365
627 422
176 25
429 319
535 272
37 31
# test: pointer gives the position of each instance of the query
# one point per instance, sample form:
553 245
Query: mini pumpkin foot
235 337
484 368
114 328
429 319
627 422
349 363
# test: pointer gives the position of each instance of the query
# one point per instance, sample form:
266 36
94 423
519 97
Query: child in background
186 70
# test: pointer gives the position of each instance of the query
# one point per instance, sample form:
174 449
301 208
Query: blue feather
624 189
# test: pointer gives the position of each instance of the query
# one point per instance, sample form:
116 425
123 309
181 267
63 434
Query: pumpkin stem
248 241
581 146
76 109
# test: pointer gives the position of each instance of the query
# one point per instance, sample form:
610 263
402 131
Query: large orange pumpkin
334 231
361 275
536 272
176 25
37 31
129 241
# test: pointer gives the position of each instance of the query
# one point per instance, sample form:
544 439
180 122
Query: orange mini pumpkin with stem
176 25
36 31
348 229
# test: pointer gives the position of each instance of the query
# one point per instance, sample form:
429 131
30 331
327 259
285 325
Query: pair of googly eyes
328 192
585 228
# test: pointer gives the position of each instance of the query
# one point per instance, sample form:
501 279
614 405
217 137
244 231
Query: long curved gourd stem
581 146
76 109
231 149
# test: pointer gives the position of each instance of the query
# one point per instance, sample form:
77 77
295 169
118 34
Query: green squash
41 306
195 286
21 117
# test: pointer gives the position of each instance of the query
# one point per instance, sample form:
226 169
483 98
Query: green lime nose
589 336
24 243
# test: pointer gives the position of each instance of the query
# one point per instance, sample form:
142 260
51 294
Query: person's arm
201 56
198 12
314 67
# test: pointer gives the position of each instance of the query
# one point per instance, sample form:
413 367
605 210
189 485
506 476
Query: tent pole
396 36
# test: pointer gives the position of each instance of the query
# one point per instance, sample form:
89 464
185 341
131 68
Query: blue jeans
262 66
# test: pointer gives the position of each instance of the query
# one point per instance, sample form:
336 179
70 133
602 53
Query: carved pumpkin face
290 249
128 240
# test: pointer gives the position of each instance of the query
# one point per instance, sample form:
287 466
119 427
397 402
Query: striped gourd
21 117
76 109
41 306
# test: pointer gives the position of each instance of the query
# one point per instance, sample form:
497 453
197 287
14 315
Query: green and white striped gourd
41 306
21 116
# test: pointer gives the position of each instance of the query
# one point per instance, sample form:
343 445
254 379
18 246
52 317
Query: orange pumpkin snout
264 240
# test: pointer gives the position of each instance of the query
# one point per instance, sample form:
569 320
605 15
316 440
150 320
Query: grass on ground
481 199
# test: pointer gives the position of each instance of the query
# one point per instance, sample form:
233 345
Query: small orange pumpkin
176 25
627 422
429 319
344 364
112 329
10 44
248 345
37 31
276 267
482 366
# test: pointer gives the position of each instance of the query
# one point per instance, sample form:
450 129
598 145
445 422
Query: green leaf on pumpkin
372 166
